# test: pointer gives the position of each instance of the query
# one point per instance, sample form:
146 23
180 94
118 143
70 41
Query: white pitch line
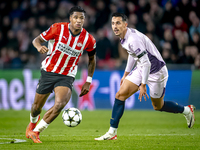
12 140
160 134
24 135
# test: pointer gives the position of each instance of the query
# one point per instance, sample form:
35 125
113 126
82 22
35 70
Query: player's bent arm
37 43
91 68
146 65
92 64
129 66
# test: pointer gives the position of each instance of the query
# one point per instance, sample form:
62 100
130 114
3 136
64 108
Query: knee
59 106
119 95
36 109
157 107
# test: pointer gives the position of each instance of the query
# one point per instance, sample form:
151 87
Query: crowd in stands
172 25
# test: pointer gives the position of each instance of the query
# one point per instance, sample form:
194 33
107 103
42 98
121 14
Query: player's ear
70 18
126 24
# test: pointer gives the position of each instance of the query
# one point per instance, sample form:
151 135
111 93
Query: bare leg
157 103
62 96
38 103
127 89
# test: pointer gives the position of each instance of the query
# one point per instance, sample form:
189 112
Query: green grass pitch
138 129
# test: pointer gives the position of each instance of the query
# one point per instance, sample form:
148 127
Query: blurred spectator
173 25
131 8
156 12
16 12
197 61
168 37
15 61
168 15
195 27
2 40
154 38
32 62
166 52
143 7
51 8
12 40
179 24
23 40
42 23
183 8
182 40
196 40
101 14
6 25
190 52
103 45
4 58
132 21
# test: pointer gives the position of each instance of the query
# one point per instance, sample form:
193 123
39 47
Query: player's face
119 26
77 20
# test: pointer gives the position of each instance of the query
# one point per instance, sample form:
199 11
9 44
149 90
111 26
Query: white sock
186 110
113 130
34 119
42 125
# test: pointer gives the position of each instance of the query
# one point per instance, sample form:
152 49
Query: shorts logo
79 44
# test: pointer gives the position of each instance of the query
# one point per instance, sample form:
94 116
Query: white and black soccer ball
72 117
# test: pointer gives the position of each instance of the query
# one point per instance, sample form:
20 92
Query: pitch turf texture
138 129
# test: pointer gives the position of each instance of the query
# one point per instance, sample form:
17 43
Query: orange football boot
30 127
34 136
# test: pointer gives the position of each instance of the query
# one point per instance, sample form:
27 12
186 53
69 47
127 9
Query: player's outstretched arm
91 68
37 43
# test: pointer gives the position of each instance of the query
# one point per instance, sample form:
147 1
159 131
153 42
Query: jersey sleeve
50 33
92 44
138 48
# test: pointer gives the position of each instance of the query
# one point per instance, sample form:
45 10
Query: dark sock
172 107
117 112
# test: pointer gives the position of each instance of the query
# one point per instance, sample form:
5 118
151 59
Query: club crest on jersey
79 44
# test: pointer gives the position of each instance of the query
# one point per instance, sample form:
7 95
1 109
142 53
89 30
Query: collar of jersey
72 33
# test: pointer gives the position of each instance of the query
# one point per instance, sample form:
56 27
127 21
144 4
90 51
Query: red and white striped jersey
65 49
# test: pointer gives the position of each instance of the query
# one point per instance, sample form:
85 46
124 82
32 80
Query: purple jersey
137 44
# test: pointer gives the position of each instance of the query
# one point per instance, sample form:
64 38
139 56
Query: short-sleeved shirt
137 44
65 49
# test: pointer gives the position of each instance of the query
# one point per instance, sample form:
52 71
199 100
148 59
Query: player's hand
122 80
85 89
43 49
143 92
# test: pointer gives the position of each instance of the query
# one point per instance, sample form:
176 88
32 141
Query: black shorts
49 80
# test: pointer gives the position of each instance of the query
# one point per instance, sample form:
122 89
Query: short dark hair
123 16
76 9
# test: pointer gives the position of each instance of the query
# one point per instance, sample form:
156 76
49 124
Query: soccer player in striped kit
66 43
149 68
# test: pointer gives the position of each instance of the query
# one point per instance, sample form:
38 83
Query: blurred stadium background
173 26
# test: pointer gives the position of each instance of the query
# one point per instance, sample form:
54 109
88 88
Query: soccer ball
72 117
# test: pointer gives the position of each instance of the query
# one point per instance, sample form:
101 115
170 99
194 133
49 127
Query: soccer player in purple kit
149 68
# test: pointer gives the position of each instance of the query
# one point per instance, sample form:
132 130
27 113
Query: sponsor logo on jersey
68 50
